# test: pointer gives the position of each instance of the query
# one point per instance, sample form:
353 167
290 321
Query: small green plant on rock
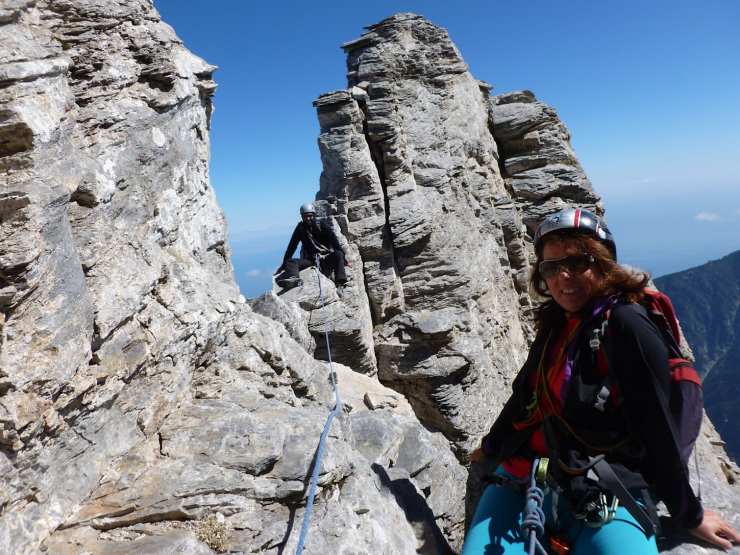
213 532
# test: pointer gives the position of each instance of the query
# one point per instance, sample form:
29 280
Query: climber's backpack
686 399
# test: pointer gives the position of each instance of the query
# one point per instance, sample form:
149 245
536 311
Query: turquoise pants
495 528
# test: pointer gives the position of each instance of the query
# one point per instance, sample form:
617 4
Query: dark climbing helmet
576 219
308 208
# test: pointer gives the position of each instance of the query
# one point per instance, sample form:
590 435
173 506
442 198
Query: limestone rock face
114 261
346 317
411 171
540 170
146 408
539 165
139 393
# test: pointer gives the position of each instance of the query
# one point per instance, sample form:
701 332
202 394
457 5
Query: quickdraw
599 511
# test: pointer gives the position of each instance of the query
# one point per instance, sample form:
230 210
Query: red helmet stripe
577 218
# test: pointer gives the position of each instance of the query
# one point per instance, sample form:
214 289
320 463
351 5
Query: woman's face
570 288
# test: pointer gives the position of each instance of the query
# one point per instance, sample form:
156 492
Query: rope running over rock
324 433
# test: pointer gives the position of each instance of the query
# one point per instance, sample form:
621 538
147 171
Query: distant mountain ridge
707 301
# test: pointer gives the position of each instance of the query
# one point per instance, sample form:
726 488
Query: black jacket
638 365
322 234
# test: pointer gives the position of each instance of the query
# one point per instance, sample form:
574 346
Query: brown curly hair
616 279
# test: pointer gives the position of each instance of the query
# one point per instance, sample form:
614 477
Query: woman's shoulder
625 307
629 314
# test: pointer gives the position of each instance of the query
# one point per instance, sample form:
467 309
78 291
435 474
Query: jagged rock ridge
140 394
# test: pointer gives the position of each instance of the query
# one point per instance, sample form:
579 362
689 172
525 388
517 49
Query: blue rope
324 433
533 523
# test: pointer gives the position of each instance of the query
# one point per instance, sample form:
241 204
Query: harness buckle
596 335
595 340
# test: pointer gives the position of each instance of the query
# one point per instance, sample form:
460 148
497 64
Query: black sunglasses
574 264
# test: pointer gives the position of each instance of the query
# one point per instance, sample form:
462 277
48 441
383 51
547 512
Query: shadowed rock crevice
416 511
14 137
376 154
354 177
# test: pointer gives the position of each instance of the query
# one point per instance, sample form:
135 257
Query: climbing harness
533 523
597 511
324 433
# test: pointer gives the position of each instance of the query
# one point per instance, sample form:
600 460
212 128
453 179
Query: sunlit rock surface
141 396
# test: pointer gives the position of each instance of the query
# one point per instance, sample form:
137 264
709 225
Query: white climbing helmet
578 220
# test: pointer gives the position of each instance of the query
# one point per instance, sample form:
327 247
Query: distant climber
317 238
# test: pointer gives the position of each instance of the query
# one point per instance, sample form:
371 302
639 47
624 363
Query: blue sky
649 90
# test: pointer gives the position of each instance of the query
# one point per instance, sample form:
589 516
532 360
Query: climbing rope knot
534 516
533 519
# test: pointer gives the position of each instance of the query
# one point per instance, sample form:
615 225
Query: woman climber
599 418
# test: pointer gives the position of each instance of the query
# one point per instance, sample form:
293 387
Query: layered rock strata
140 398
114 262
412 169
541 172
145 407
438 185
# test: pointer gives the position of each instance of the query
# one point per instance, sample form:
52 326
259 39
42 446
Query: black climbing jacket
318 239
635 432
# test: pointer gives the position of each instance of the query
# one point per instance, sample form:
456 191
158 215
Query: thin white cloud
254 273
707 217
644 180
